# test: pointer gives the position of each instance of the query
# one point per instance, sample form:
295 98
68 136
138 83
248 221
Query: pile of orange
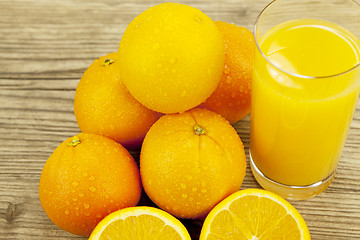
176 82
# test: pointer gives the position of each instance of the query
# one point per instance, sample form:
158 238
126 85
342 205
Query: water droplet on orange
226 70
228 79
183 93
198 19
172 60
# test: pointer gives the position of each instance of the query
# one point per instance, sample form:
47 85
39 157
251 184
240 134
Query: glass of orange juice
306 83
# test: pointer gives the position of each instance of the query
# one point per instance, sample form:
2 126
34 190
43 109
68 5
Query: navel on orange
254 214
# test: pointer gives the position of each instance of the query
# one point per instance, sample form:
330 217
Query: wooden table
45 46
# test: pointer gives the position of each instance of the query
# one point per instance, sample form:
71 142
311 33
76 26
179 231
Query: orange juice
305 89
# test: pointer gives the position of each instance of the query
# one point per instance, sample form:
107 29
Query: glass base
290 192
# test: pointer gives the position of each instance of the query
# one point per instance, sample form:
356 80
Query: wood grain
46 46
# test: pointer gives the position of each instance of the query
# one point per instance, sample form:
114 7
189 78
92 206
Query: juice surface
299 124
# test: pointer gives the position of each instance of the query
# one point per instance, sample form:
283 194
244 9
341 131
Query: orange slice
140 223
254 214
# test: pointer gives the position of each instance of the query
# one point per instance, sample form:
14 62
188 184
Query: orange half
140 223
254 214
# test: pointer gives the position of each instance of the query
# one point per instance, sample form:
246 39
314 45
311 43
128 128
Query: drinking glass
306 83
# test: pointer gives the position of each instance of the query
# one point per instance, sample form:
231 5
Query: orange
189 162
171 57
232 97
104 106
140 223
86 178
254 214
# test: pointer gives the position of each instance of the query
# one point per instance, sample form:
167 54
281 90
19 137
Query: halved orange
140 223
254 214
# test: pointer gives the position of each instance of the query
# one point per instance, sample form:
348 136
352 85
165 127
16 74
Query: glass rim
288 72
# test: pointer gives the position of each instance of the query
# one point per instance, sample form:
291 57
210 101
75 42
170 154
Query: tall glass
306 83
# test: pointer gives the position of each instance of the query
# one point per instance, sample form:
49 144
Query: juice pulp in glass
299 124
